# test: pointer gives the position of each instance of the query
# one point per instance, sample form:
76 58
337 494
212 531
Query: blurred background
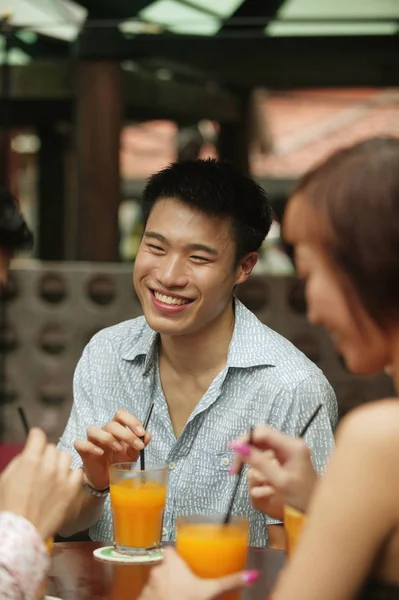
96 95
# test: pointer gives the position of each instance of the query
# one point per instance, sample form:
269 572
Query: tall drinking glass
212 548
138 501
294 521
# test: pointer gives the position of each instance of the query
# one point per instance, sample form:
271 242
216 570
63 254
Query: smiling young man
210 367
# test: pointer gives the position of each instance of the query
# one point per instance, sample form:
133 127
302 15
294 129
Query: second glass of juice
294 521
211 548
138 501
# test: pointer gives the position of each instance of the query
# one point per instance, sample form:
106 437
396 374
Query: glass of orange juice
294 521
41 592
211 548
138 501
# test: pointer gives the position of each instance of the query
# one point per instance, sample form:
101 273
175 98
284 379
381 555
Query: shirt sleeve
82 412
293 410
24 559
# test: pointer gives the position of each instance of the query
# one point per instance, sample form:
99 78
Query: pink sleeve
24 559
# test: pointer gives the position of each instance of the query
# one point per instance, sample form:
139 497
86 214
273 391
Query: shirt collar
144 346
251 344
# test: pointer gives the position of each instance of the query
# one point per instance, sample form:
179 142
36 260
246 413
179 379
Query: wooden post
51 194
234 138
99 102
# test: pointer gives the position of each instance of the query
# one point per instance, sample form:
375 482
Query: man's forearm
85 511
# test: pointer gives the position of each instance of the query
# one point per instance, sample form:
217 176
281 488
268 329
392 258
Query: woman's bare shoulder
375 422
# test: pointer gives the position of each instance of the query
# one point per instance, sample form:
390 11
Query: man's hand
39 484
118 441
282 470
173 579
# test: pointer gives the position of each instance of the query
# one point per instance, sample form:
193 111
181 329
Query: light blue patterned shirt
266 380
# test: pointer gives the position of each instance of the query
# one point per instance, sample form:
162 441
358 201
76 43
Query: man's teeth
170 299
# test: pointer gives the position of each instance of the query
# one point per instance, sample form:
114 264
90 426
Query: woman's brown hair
356 194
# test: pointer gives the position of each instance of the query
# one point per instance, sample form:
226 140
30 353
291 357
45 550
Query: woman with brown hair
343 221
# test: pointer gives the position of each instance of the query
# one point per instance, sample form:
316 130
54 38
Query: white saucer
108 553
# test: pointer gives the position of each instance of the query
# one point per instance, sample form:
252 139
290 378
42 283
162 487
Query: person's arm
86 509
352 512
291 413
95 447
24 559
281 470
35 491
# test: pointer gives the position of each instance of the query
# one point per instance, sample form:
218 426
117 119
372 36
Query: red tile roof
305 126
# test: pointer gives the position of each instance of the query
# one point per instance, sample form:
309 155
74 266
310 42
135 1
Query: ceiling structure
236 43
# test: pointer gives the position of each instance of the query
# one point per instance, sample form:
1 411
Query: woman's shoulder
375 422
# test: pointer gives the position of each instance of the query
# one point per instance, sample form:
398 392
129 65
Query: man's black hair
216 188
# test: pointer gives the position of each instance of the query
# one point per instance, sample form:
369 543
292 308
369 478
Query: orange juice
41 592
212 549
294 521
137 510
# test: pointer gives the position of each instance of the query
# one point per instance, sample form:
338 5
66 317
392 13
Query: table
76 575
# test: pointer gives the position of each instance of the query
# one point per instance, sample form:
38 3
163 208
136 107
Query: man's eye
200 258
156 248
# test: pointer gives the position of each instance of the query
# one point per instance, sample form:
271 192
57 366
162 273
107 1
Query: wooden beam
146 95
274 62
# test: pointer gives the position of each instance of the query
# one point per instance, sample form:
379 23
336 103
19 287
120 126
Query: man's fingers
84 447
125 418
121 433
104 439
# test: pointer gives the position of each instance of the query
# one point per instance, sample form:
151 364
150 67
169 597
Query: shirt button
171 465
225 461
164 532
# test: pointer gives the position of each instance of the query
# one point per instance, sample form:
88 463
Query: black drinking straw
312 418
227 517
24 420
146 421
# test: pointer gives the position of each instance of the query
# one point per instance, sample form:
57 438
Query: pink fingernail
243 449
251 576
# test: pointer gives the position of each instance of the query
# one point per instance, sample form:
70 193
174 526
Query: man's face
184 272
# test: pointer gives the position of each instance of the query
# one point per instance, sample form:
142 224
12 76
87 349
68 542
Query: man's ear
245 267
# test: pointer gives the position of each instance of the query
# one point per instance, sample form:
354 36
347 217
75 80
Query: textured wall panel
53 309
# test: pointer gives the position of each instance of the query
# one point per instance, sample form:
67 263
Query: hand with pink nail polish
173 579
281 470
120 440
